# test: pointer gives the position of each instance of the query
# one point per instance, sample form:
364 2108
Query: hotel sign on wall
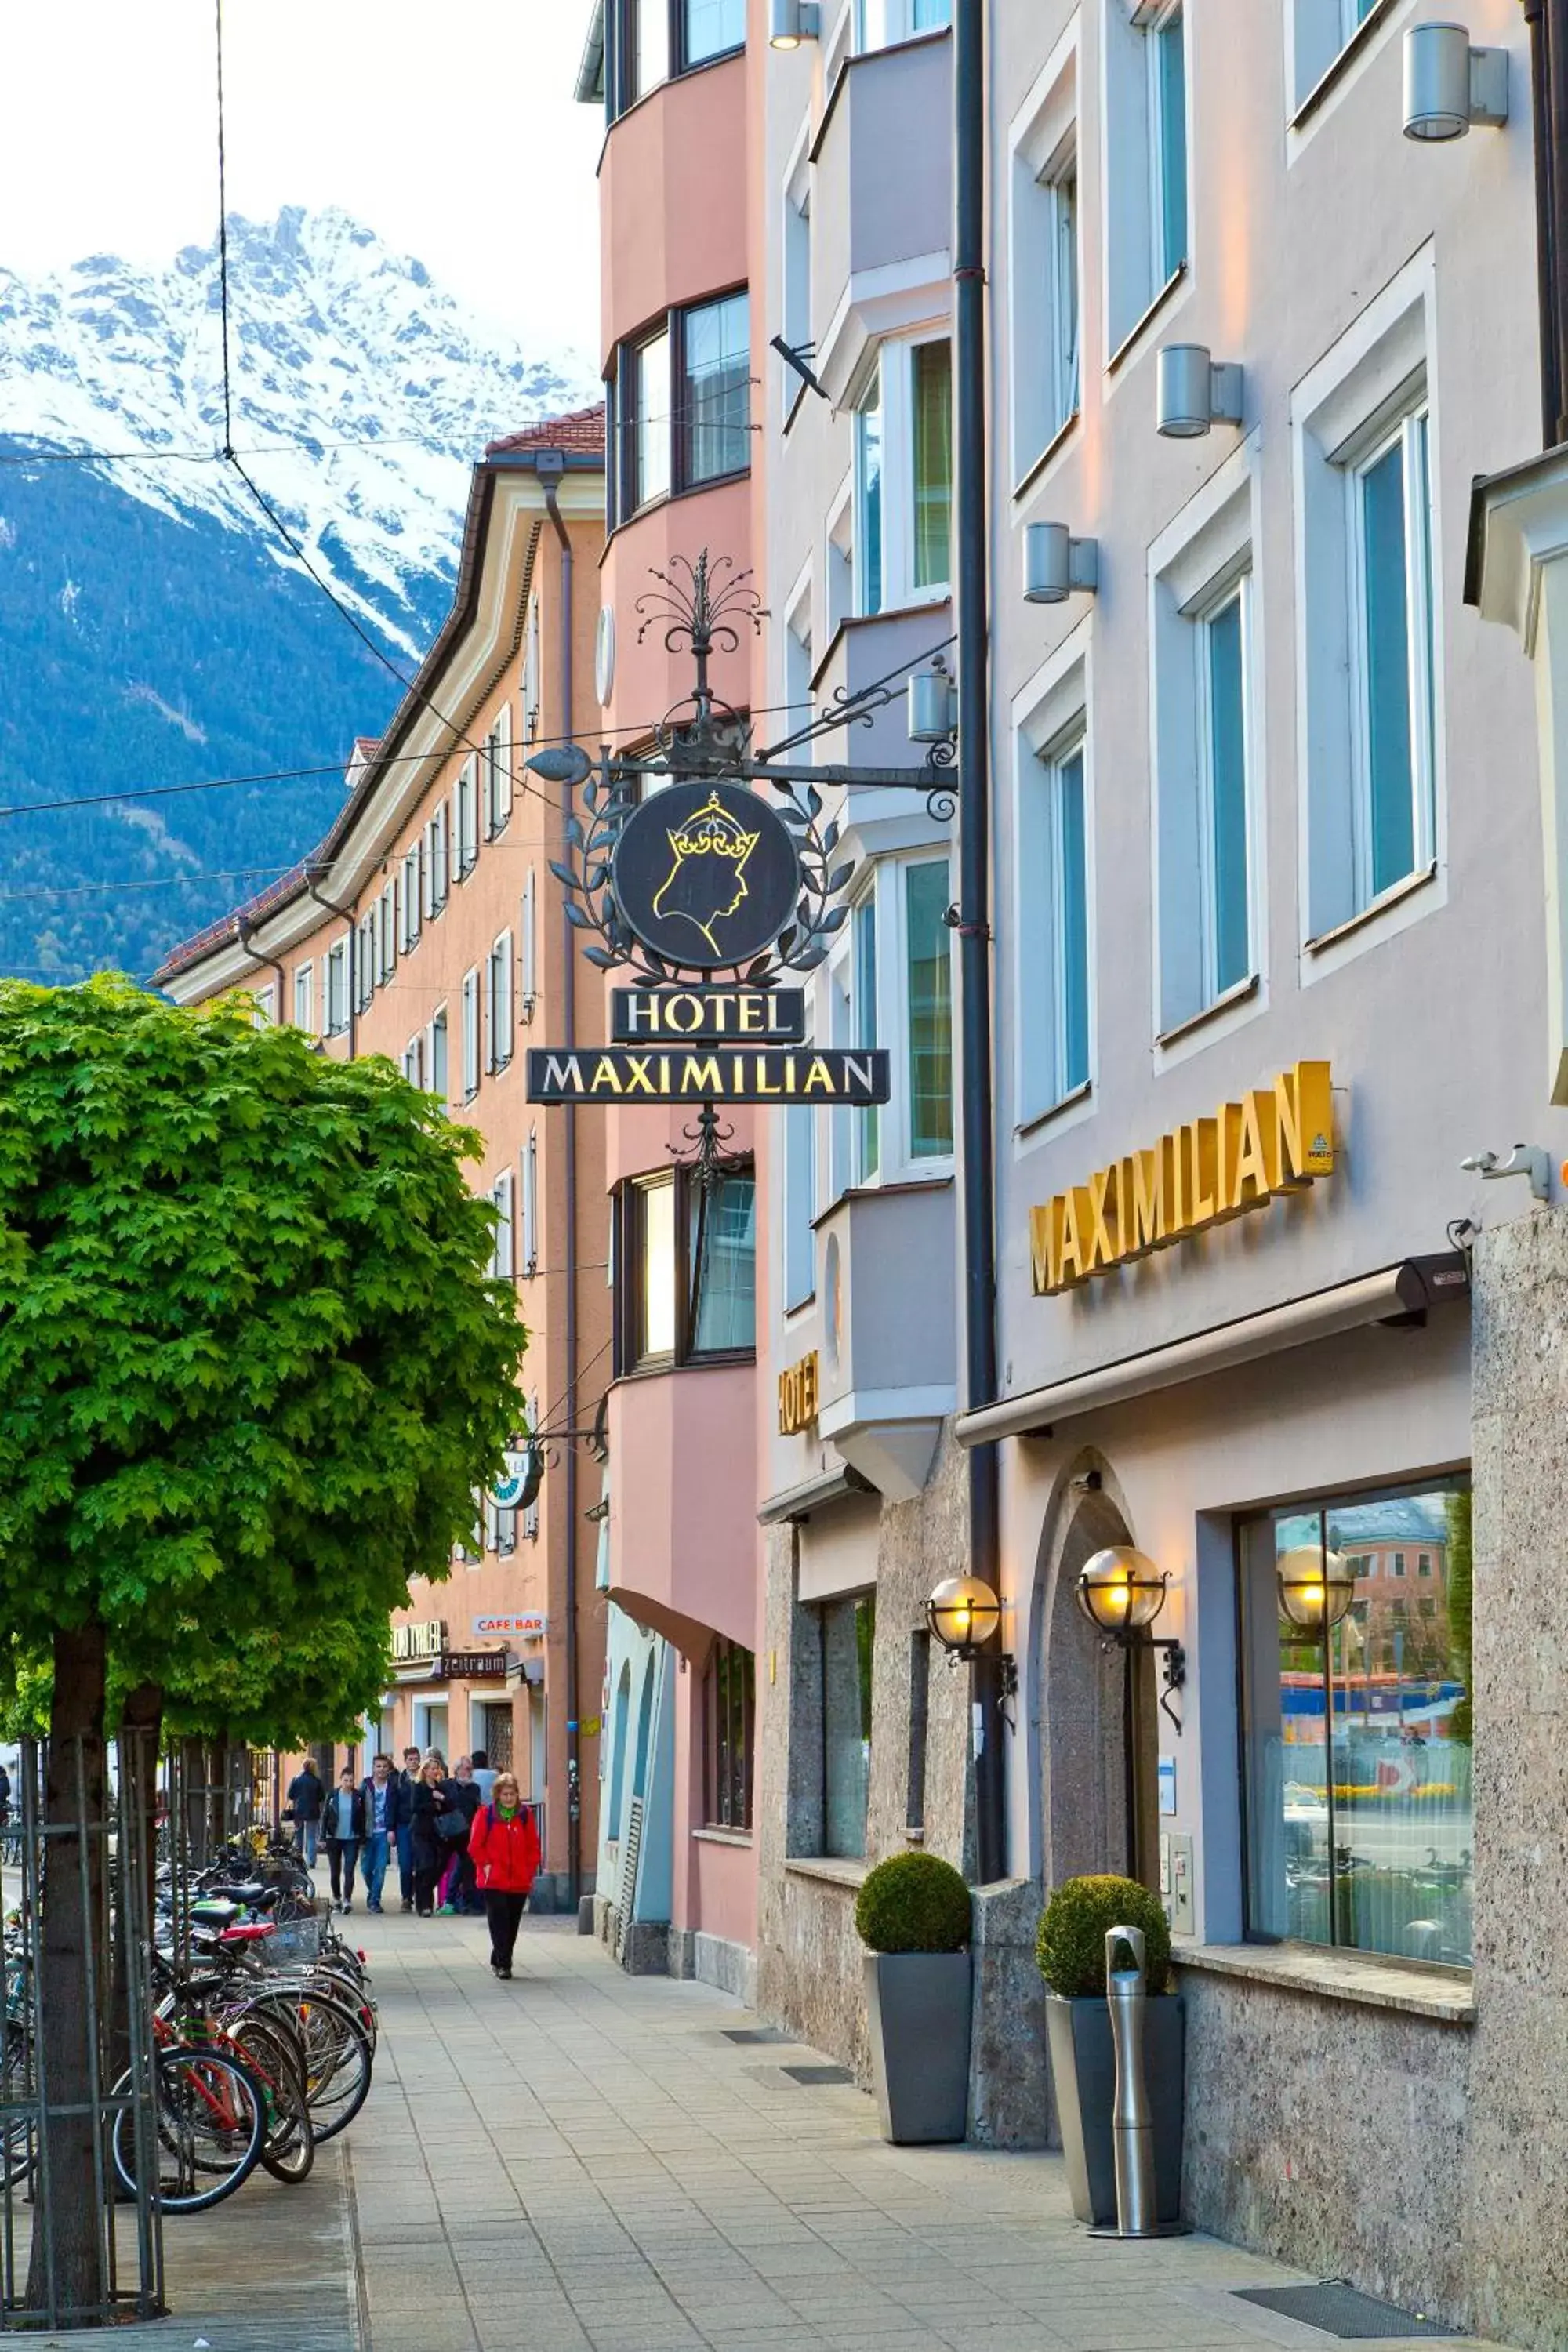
798 1396
1276 1139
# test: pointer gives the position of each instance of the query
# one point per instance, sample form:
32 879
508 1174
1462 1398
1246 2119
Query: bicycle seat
214 1911
250 1890
251 1931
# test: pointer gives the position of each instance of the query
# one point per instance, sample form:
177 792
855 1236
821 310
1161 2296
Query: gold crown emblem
714 833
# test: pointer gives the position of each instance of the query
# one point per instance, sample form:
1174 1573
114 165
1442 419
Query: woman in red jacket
503 1846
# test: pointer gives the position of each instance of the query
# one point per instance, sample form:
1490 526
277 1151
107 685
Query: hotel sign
797 1396
736 1016
425 1639
769 1074
1276 1139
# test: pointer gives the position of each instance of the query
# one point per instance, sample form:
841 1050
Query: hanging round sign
706 874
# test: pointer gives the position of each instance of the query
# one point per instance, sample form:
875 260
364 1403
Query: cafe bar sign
1275 1140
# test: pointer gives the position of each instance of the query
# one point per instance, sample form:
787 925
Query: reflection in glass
715 394
656 1203
1359 1745
723 1266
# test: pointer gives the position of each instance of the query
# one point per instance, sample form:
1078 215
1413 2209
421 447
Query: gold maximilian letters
1276 1139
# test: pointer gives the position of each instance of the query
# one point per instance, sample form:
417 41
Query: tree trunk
195 1754
68 2219
141 1726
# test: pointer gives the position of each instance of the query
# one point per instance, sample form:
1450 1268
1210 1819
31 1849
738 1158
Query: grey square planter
918 2004
1083 2070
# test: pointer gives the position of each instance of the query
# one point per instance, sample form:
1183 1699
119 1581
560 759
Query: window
387 934
920 1718
337 988
265 1013
880 23
504 1257
728 1718
410 899
1146 101
1391 600
414 1060
649 46
498 1005
470 1035
1399 1563
305 998
364 960
649 368
435 1071
530 1203
709 28
1320 30
1053 942
528 946
796 324
848 1632
867 1153
497 773
438 872
713 389
685 1270
1423 1563
800 1205
927 957
1044 272
1359 1742
694 372
466 821
903 477
648 41
1371 677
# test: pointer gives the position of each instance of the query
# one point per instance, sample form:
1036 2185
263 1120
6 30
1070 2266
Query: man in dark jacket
342 1821
385 1803
412 1758
306 1797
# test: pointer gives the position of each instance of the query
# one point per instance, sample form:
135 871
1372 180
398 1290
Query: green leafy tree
253 1369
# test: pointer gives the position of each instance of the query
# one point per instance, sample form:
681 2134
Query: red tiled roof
234 925
582 430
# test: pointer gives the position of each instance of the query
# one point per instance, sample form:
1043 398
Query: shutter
454 834
503 764
503 955
529 953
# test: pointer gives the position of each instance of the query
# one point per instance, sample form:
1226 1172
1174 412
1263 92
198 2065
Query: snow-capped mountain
154 629
359 394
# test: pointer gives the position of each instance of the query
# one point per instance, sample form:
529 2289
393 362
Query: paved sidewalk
584 2159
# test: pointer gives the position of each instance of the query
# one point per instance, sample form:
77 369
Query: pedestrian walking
343 1826
5 1794
429 1803
378 1795
305 1800
484 1779
412 1759
504 1846
457 1890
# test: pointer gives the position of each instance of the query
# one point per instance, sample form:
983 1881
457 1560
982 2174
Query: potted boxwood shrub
1070 1950
913 1915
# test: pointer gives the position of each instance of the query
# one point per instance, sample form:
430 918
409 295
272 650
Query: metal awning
811 1494
1397 1293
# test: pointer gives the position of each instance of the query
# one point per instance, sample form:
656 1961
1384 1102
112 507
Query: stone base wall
1331 2137
714 1960
553 1890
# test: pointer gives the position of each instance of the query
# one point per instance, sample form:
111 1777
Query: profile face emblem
706 874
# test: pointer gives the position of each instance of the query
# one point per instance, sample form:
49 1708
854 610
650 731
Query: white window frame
1050 722
336 989
528 948
472 1048
503 1255
266 1013
466 820
532 675
386 933
1196 566
1342 412
1319 32
884 24
881 886
498 774
410 898
1045 298
1136 278
892 373
437 861
530 1223
364 960
305 998
438 1056
499 1031
1410 436
414 1059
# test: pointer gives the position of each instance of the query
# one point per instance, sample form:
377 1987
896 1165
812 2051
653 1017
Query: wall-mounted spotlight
1057 565
932 704
1448 85
1195 392
790 22
1529 1159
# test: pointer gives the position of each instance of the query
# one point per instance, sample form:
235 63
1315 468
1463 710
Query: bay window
878 24
891 985
1359 1739
928 963
692 372
685 1262
648 42
903 477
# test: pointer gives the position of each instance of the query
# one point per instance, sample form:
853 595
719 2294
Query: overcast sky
449 128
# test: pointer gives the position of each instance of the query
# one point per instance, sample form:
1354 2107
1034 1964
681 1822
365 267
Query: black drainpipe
347 914
550 465
1545 242
244 933
978 1179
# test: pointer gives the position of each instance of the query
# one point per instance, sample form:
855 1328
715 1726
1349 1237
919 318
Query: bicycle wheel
338 2061
211 2122
18 2152
288 2148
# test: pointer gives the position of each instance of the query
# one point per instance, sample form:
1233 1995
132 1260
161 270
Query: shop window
847 1634
686 1266
1359 1742
903 478
1146 108
920 1716
728 1717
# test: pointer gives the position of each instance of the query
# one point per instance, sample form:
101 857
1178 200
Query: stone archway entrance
1097 1781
